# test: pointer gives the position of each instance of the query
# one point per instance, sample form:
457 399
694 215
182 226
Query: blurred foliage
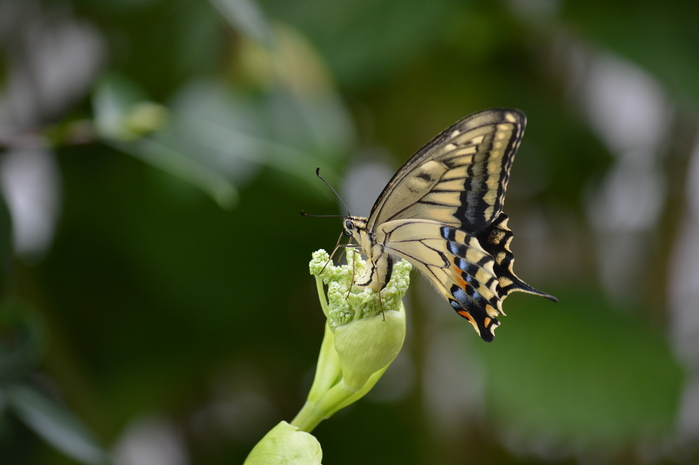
172 314
614 402
661 39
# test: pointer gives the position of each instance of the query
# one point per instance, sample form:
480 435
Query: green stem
313 413
328 369
308 417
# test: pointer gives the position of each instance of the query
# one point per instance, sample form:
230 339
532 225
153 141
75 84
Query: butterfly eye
349 226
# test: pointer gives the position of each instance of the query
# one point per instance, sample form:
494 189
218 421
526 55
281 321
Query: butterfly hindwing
495 240
460 177
455 262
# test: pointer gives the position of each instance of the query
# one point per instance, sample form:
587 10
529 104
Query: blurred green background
156 306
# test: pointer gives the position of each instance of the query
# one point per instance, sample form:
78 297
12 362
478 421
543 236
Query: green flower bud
364 333
367 345
286 445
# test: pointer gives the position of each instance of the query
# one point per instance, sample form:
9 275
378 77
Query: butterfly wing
472 271
442 211
495 240
455 263
459 178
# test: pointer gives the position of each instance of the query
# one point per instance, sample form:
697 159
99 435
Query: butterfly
442 211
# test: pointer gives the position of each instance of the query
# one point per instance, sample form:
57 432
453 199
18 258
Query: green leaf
366 40
120 108
285 445
54 422
246 17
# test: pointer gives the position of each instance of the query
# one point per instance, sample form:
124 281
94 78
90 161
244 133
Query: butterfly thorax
379 263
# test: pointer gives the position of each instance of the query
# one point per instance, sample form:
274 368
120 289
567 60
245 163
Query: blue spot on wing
447 233
453 247
459 294
474 304
461 263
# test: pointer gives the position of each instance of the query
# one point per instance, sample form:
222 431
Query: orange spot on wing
456 275
465 314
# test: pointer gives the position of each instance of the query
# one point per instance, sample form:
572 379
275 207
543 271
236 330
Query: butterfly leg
337 246
383 314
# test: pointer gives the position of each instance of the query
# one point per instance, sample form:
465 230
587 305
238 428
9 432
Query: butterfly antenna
334 191
303 213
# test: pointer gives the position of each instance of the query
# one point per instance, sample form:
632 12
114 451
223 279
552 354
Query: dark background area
156 154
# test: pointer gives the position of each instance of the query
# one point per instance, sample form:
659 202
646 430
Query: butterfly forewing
460 177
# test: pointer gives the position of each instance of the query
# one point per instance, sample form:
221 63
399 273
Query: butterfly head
354 224
356 227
